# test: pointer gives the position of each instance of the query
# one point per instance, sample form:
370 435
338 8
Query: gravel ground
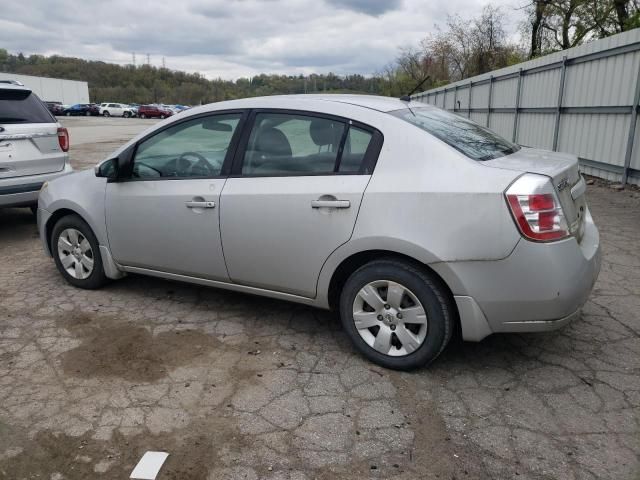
239 387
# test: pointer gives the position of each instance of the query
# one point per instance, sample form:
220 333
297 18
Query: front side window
291 144
195 148
469 138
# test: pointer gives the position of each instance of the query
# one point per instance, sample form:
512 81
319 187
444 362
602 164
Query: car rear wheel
142 115
161 117
396 314
106 114
76 253
87 113
68 114
126 114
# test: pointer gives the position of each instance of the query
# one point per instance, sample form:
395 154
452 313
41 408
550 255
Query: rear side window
355 149
469 138
22 106
286 144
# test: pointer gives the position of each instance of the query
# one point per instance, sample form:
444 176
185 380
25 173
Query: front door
166 216
293 199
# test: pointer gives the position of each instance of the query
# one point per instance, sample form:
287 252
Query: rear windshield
467 137
22 106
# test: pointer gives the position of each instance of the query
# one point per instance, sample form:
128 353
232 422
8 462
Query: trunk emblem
564 183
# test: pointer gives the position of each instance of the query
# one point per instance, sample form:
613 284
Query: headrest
273 142
324 132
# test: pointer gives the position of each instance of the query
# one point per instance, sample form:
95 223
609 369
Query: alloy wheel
390 318
75 253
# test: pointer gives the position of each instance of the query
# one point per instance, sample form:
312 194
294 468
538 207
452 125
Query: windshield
22 106
469 138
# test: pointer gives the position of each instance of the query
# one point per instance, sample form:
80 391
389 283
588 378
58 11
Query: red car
153 111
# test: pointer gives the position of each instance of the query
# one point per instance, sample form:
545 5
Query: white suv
116 110
33 146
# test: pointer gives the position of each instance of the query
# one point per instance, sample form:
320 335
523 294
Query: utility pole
148 59
133 57
164 65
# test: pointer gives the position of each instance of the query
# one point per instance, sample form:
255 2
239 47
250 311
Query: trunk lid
29 149
564 172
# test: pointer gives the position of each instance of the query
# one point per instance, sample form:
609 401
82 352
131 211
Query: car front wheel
142 115
76 253
397 315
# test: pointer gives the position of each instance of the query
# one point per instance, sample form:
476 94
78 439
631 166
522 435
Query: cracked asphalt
240 387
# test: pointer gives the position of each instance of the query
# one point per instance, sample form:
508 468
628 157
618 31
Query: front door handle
330 203
194 204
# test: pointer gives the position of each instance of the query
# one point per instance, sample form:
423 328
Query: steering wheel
184 168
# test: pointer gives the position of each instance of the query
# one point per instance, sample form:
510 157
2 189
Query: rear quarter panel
428 201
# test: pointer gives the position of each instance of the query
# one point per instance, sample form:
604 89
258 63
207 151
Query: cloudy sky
233 38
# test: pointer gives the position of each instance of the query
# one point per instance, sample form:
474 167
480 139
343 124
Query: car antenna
407 98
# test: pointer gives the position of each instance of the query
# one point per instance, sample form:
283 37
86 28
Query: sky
234 38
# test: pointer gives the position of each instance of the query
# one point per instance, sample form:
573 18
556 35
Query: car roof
378 103
12 86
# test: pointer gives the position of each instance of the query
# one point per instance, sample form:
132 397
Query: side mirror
116 168
108 169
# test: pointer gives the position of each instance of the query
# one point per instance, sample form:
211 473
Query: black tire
97 278
435 300
106 114
68 114
88 114
34 209
162 117
126 114
142 115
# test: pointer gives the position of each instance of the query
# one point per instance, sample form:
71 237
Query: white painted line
149 466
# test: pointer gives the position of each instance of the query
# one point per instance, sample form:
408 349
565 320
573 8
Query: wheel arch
53 219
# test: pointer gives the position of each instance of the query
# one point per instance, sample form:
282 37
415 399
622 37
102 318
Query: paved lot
239 387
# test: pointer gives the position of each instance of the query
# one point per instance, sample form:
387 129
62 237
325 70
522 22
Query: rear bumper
539 287
23 191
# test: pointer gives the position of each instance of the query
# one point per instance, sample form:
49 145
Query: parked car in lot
56 108
85 109
154 111
115 110
409 221
33 146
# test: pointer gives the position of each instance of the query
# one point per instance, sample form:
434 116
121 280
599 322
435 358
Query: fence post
469 110
489 102
455 98
444 99
556 127
632 131
516 112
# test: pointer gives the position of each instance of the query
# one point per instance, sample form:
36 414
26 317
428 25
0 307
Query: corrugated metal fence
584 100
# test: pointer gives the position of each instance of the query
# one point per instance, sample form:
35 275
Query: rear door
28 135
293 197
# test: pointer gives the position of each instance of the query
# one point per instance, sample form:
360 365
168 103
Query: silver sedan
411 222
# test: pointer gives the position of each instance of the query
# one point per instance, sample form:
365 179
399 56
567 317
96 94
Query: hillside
149 84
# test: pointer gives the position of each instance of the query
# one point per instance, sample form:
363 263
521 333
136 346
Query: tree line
462 48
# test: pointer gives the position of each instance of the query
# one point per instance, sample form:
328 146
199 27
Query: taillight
536 209
63 139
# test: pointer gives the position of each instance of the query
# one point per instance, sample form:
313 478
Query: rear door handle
193 204
330 203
